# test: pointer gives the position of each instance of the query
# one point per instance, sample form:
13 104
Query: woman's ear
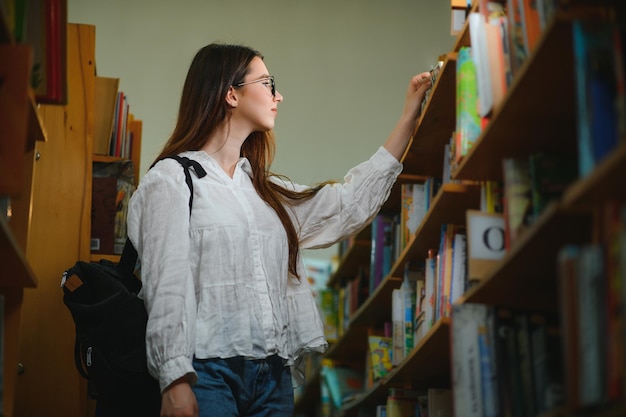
232 98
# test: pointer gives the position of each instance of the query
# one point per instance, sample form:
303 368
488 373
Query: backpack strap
128 260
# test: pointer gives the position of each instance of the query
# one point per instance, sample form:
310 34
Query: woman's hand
179 400
398 140
418 86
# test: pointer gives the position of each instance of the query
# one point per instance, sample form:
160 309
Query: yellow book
380 348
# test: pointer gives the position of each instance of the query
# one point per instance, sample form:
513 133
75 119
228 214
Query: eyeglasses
268 82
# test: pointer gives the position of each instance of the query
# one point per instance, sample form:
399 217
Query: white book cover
480 56
397 319
591 332
466 361
459 267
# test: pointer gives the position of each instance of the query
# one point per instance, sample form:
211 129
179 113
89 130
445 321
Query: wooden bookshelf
538 114
48 232
22 129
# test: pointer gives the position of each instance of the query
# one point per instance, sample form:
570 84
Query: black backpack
110 319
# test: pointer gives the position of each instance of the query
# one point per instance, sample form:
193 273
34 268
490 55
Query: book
466 358
439 402
412 211
408 287
103 213
518 49
485 244
401 402
380 351
592 325
329 309
468 122
614 240
398 326
480 57
448 233
507 370
567 259
429 291
550 175
419 327
343 382
459 279
105 94
548 376
525 361
496 36
44 28
517 199
596 59
531 24
381 250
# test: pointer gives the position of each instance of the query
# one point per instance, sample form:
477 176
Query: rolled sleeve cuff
383 159
174 369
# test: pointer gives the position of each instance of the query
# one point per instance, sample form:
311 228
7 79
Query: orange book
531 24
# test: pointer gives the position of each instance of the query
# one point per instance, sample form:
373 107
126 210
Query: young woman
230 312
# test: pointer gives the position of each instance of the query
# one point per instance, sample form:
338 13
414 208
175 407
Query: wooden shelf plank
18 272
428 365
95 257
538 111
605 182
376 310
350 348
36 128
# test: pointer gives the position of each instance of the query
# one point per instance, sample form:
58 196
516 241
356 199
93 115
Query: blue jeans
237 387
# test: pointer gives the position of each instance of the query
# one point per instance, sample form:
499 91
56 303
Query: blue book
595 55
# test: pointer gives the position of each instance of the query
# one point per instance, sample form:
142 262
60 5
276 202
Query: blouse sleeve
158 226
339 210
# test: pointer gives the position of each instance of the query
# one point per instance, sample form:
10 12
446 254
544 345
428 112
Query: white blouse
217 284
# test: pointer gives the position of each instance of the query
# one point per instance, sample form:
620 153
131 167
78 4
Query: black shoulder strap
128 260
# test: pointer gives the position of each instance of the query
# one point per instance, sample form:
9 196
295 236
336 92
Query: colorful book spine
468 124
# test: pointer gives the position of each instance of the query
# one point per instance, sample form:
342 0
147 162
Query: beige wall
342 66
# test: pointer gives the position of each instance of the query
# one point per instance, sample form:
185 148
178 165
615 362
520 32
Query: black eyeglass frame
270 78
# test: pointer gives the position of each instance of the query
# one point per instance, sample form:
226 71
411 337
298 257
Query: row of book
340 384
503 35
112 135
592 284
524 363
416 403
466 252
112 186
505 361
521 362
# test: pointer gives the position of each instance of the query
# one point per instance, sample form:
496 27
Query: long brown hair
203 107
